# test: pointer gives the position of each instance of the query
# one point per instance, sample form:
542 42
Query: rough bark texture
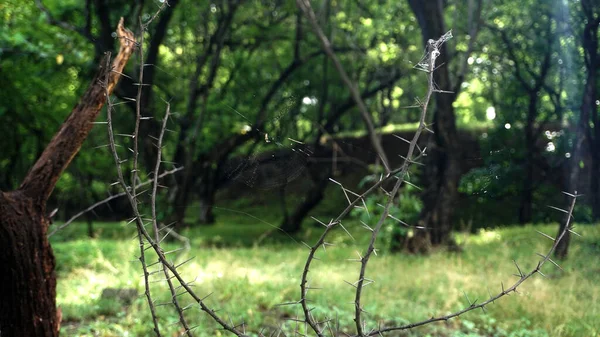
28 280
28 291
443 168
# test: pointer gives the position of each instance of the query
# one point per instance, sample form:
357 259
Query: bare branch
41 179
104 201
429 65
502 293
310 15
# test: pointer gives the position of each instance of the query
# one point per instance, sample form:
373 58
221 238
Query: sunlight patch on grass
248 283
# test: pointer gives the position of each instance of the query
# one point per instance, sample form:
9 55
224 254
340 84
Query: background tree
443 168
532 74
588 117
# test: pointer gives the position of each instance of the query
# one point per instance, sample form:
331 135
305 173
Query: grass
248 281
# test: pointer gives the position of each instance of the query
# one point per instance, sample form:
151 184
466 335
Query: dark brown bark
28 280
443 170
28 291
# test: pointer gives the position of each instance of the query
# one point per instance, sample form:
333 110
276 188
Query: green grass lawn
247 281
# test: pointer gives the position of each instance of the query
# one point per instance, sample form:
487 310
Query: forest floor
248 274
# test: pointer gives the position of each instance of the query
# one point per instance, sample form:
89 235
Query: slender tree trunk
312 198
587 110
28 280
525 209
182 182
209 186
207 200
562 249
179 205
443 169
283 204
595 185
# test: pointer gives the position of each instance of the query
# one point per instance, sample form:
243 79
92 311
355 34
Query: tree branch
62 24
310 15
42 177
522 278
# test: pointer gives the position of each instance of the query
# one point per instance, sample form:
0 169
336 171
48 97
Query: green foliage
248 282
406 207
46 67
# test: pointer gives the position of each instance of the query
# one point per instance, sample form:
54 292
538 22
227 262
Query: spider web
275 159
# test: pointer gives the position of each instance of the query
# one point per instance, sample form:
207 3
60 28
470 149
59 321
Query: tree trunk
312 198
562 248
28 291
443 170
282 204
209 185
526 207
588 108
595 185
207 200
590 45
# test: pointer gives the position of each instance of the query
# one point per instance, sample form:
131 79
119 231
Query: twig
433 53
502 293
138 218
104 201
143 234
174 300
310 15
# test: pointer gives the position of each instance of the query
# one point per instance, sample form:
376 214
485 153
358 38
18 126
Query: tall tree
587 130
536 36
28 292
590 114
443 163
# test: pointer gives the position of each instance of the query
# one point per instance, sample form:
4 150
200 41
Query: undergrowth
249 280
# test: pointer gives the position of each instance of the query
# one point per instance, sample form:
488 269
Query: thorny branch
398 174
112 197
432 54
319 327
143 235
138 217
505 291
172 289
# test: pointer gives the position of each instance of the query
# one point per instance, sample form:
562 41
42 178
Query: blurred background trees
261 115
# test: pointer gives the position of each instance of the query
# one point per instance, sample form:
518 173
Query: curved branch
522 277
326 44
42 177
